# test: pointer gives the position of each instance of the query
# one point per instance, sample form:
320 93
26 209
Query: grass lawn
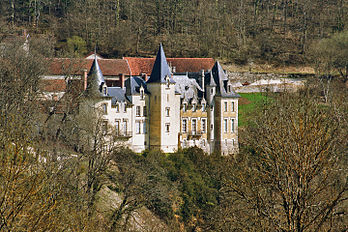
247 104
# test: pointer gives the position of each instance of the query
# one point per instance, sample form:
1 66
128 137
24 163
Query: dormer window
105 90
229 88
203 107
194 107
167 81
117 107
184 108
142 95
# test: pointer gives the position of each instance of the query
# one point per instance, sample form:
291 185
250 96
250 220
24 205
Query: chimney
144 76
84 79
202 82
122 79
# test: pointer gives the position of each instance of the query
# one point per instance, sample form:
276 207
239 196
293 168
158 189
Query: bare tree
292 173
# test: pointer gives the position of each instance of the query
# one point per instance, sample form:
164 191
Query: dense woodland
243 31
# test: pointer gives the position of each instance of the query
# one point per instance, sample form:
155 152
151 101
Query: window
144 128
117 107
168 81
204 124
194 126
167 126
142 94
105 127
232 125
194 107
184 108
232 106
137 127
211 91
167 111
184 125
105 90
144 111
105 108
211 126
137 112
225 125
229 88
124 107
124 126
117 127
225 106
203 107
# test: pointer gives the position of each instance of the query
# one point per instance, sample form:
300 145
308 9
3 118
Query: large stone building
168 111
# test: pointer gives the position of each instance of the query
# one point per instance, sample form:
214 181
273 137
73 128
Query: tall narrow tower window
225 106
232 106
225 125
167 111
137 111
184 125
194 126
232 125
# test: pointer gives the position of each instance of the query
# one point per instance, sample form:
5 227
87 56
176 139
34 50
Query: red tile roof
109 67
57 85
144 65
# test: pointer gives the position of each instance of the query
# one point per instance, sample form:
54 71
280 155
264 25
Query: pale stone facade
171 111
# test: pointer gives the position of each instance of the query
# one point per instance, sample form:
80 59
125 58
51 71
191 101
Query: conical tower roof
95 79
160 69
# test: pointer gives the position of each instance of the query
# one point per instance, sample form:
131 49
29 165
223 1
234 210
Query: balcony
194 134
121 135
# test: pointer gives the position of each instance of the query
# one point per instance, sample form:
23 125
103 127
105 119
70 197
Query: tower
164 106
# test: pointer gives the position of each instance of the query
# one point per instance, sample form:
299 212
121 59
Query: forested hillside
243 31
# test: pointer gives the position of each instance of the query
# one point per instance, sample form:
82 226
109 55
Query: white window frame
138 127
225 125
232 106
167 110
225 106
137 111
204 125
167 127
194 128
232 125
105 108
184 125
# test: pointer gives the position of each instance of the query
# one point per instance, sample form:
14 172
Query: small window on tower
167 126
167 111
142 94
137 111
144 111
168 81
105 109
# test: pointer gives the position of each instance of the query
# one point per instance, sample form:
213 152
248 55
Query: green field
247 104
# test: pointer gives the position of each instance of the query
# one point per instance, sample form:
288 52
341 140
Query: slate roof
187 87
133 85
109 67
117 94
220 78
160 68
140 65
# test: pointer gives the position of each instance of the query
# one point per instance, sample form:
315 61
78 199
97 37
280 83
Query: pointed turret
160 70
210 79
95 80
